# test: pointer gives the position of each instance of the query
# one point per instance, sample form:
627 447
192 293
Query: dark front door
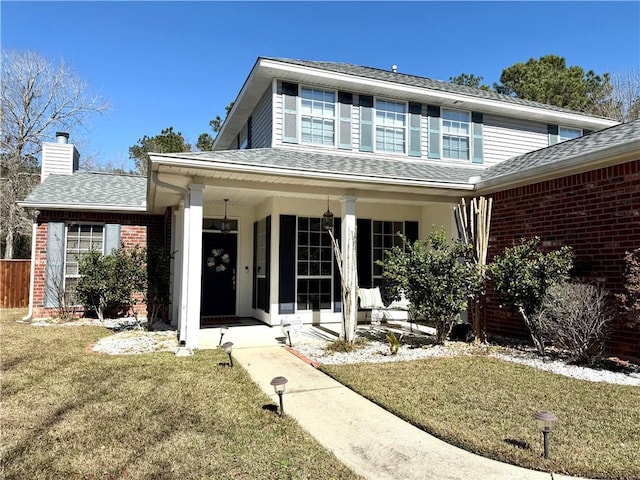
219 254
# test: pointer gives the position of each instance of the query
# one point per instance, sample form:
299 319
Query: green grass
69 414
485 406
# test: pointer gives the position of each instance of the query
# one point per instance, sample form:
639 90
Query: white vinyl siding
261 123
504 138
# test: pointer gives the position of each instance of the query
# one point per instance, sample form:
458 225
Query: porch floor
249 332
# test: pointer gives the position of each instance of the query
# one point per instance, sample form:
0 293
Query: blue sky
178 64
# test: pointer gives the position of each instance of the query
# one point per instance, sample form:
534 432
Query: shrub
522 276
575 317
630 298
436 278
108 282
394 342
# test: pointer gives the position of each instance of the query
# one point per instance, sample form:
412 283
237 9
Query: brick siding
135 229
597 213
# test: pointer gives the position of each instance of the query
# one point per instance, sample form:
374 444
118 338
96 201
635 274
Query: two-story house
383 151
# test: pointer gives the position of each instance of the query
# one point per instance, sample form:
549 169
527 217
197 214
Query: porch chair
371 301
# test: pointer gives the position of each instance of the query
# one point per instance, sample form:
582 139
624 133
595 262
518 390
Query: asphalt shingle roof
415 81
607 138
350 165
91 189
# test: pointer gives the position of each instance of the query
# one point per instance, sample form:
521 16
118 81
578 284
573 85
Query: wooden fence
14 283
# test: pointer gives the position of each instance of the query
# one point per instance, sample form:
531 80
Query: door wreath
218 260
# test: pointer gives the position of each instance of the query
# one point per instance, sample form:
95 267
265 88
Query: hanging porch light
225 225
327 218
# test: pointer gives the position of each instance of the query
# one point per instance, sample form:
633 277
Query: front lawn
485 406
70 414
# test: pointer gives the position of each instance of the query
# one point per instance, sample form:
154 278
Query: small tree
575 317
436 278
158 291
522 277
630 298
108 282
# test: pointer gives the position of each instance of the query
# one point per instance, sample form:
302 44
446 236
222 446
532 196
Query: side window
566 133
81 239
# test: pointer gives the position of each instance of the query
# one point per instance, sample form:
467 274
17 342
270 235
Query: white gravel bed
136 342
378 352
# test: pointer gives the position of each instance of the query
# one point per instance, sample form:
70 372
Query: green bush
522 276
436 278
107 282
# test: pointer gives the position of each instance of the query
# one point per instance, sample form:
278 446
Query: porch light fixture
227 347
223 332
327 218
225 225
279 387
545 422
286 328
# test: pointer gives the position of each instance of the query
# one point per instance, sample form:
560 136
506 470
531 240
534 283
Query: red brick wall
596 213
135 229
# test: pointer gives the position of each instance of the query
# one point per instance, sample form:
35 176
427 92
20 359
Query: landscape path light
279 386
287 330
223 332
228 346
545 421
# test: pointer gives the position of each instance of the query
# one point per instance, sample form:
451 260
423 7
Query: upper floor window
566 133
317 116
391 123
243 137
456 128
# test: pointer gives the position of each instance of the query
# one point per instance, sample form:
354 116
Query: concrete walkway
362 435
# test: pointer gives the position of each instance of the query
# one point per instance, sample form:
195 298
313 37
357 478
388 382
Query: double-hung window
385 237
566 133
317 116
391 126
314 265
81 238
456 128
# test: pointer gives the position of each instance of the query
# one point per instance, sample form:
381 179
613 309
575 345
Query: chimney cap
62 137
394 68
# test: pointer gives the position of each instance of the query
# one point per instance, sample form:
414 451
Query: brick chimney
59 157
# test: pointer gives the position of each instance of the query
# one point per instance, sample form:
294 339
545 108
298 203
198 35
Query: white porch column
349 265
193 261
177 236
184 271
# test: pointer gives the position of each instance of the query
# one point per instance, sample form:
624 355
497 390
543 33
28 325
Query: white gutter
32 274
271 170
80 206
182 335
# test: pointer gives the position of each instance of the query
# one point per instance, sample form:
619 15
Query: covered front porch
249 246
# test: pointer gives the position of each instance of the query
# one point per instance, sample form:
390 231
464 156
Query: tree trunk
539 344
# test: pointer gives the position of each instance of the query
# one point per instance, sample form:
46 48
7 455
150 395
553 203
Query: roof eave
265 70
568 166
81 206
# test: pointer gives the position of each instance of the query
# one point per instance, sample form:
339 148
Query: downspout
182 335
32 274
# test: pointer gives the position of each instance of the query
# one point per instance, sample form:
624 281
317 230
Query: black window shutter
552 130
411 231
287 268
249 123
337 281
365 258
254 286
267 265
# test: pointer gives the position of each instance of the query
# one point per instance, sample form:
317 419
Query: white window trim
335 117
312 277
443 134
405 151
65 276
